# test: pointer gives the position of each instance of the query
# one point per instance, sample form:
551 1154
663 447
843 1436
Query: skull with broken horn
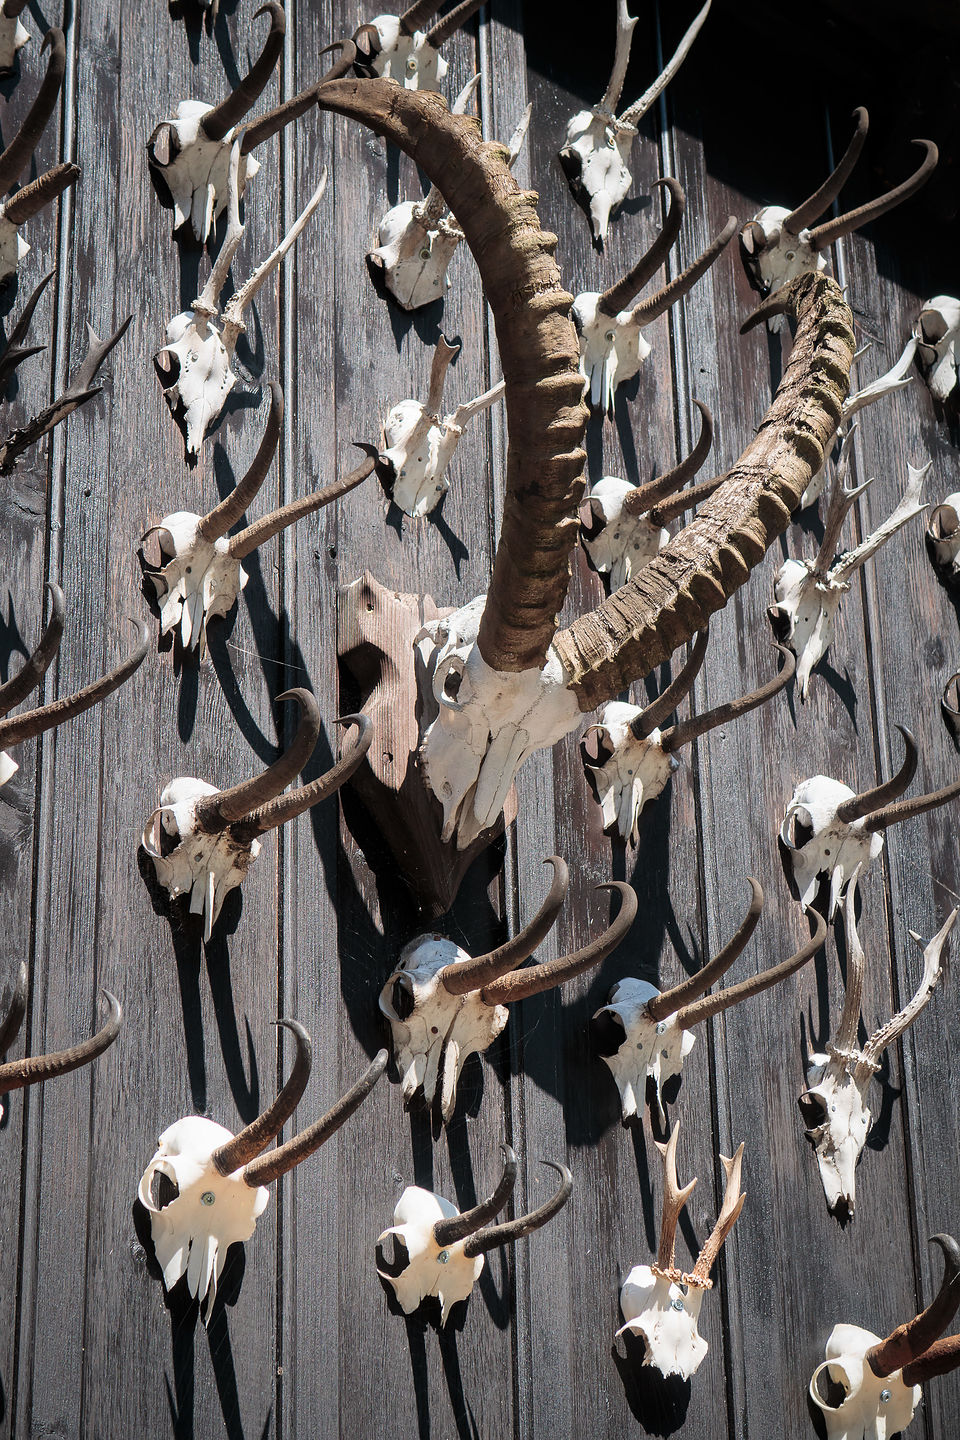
396 47
35 1069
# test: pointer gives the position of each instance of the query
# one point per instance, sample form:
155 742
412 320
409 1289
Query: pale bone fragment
13 35
934 339
943 539
33 1070
396 47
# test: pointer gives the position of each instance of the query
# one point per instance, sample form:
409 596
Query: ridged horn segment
451 22
268 125
32 198
660 710
220 810
710 1005
287 807
496 1235
833 230
230 111
15 690
812 209
482 969
618 297
459 1227
255 1137
10 1028
670 1001
686 731
416 17
908 1342
18 1073
645 497
19 152
234 506
648 310
871 800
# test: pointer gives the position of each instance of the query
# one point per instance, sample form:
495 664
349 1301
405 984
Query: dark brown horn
31 199
287 807
19 152
417 16
909 1342
670 1001
520 984
15 351
219 810
618 297
229 112
645 497
13 9
495 1235
871 800
18 1073
452 21
907 809
277 1162
938 1359
234 506
709 1005
36 722
459 1227
675 505
15 690
663 707
833 230
482 969
648 310
812 209
254 1138
246 541
13 1019
687 731
268 125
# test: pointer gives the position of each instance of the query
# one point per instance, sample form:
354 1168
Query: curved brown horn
246 541
36 722
520 984
495 1235
15 690
648 310
217 811
277 1162
833 230
668 510
13 9
687 731
287 807
233 506
31 199
645 497
417 15
670 1001
18 1073
871 800
812 209
229 112
907 809
482 969
19 152
10 1028
618 296
452 21
908 1342
459 1227
268 125
663 707
938 1359
710 1005
255 1137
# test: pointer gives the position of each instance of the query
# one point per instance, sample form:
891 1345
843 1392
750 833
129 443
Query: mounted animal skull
15 729
396 48
17 1074
205 1189
943 540
935 342
437 1251
417 443
834 1108
628 759
444 1005
202 840
13 36
612 348
881 1378
598 141
661 1303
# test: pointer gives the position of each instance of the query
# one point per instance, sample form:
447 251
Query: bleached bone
661 1303
627 757
612 347
15 729
644 1034
597 149
417 443
13 35
397 48
943 539
439 1251
881 1378
444 1005
219 1179
807 593
834 1108
935 340
33 1070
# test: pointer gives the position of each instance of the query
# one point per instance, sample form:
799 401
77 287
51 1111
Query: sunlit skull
431 1268
943 538
199 581
782 256
815 843
195 168
838 1122
195 374
612 348
650 1049
626 542
13 247
874 1407
629 771
417 448
594 157
664 1312
13 37
413 255
936 333
408 59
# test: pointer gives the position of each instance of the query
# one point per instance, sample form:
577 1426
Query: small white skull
13 247
596 150
197 170
413 255
431 1268
874 1407
650 1050
200 580
417 448
626 542
631 772
943 537
838 1122
936 333
815 843
663 1308
408 59
784 256
195 373
612 349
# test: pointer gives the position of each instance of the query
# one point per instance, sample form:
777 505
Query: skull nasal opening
403 1001
608 1031
813 1109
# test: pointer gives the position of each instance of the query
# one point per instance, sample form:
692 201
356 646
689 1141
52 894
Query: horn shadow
185 937
659 1403
246 1093
462 1411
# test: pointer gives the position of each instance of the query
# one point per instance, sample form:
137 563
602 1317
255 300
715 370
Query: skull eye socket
800 833
451 683
813 1108
933 327
167 365
400 1261
163 1190
402 998
608 1031
779 623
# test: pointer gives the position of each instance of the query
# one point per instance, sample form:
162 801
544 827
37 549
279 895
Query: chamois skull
661 1303
17 728
395 47
598 141
439 1251
202 840
881 1378
444 1005
943 540
17 1074
219 1179
13 35
935 341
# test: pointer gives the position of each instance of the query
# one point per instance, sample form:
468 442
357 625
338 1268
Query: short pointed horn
618 296
459 1227
254 1138
709 1005
287 807
511 1230
648 310
229 112
908 1342
233 506
15 690
18 1073
869 803
663 707
645 497
10 1028
483 969
32 198
240 801
687 731
833 230
821 199
246 541
14 351
277 1162
19 152
268 125
670 1001
452 21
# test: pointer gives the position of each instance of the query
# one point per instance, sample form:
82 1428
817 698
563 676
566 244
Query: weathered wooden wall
310 1345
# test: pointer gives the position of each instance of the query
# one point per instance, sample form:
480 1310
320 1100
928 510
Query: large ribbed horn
233 506
710 1005
669 1001
255 1137
287 807
662 708
277 1162
36 722
459 1227
908 1342
217 811
268 125
881 795
618 296
645 497
18 1073
812 209
229 112
483 969
246 541
648 310
832 230
686 731
10 1028
31 199
452 21
19 152
511 1230
520 984
15 690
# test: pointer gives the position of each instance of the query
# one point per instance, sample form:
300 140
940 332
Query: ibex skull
397 48
935 337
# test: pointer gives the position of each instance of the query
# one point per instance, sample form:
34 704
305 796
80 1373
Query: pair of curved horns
289 110
231 111
881 807
18 154
916 1347
416 17
474 1225
647 499
16 1074
675 1198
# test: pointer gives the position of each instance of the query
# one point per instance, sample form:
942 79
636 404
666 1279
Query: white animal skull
651 1050
625 541
409 59
199 580
816 842
413 253
197 172
943 538
935 338
13 35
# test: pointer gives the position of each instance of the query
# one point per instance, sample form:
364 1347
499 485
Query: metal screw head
661 1026
207 1198
425 253
443 1257
676 1303
610 336
412 65
884 1396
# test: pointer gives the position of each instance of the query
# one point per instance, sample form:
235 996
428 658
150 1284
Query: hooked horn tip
756 896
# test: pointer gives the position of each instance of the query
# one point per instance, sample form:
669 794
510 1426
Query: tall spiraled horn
710 1005
618 296
230 111
646 497
871 800
660 710
32 198
233 506
10 1028
511 1230
255 1137
648 310
669 1001
217 811
268 125
459 1227
15 690
19 152
287 807
483 969
821 199
832 230
686 731
908 1342
31 1071
452 21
